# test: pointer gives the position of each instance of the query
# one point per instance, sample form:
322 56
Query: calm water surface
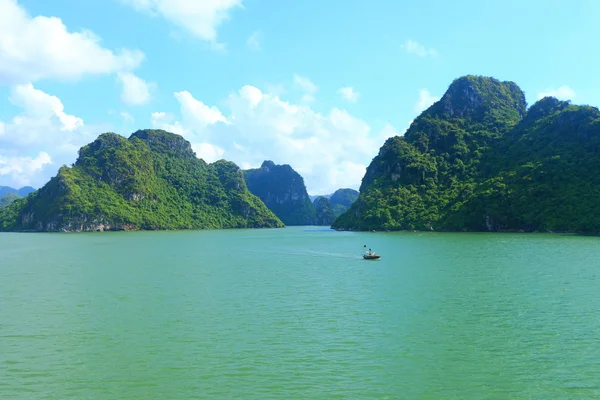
295 313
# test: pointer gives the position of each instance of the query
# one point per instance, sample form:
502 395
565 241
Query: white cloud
426 99
198 114
201 18
329 150
127 118
415 48
562 93
349 94
135 91
254 40
208 152
40 105
306 86
20 169
38 48
43 129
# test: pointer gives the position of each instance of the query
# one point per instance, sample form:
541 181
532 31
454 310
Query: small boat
369 254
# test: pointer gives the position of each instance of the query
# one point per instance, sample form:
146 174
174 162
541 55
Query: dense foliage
479 160
282 189
152 180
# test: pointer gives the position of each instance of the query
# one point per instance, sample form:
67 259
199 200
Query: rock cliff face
478 160
152 180
324 211
282 189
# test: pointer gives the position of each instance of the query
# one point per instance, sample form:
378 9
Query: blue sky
248 80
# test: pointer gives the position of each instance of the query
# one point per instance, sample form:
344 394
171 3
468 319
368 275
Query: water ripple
297 314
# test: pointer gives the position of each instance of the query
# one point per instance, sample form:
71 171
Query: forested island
479 160
283 190
153 180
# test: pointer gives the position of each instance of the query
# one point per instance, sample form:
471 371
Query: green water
295 313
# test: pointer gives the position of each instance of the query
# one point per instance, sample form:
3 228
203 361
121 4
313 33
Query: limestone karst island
478 159
299 200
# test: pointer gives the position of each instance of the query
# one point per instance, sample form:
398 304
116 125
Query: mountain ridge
475 160
149 181
22 192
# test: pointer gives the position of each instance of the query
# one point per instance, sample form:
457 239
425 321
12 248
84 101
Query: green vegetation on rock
7 199
324 211
282 189
152 180
478 160
342 199
328 208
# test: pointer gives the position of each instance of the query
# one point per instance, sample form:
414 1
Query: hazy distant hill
22 192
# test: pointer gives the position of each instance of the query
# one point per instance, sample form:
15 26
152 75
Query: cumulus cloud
208 152
135 90
426 99
417 49
35 48
349 94
20 169
329 150
42 135
42 106
561 93
201 18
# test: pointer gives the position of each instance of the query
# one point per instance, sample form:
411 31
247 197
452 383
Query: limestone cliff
282 189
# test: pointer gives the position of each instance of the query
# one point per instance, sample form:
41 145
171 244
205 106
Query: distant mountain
340 201
479 160
282 189
22 192
7 199
151 181
325 215
314 197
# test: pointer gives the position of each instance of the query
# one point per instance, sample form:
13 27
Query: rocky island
153 180
282 189
479 160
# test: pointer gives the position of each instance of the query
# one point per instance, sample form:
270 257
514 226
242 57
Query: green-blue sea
296 313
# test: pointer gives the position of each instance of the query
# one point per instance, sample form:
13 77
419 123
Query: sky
318 85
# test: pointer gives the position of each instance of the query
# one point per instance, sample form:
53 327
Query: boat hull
371 257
